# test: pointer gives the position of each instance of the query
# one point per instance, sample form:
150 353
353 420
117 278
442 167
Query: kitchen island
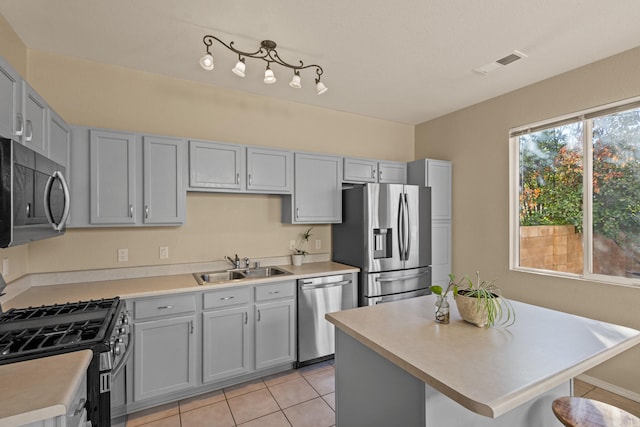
396 366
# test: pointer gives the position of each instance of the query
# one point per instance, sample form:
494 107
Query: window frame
585 117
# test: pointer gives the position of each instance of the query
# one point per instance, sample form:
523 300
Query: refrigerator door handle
401 218
407 240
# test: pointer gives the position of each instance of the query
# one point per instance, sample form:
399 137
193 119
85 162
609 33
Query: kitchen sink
264 272
229 275
218 276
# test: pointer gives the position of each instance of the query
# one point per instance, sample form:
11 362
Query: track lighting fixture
268 53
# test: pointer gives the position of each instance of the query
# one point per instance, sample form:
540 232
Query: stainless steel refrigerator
386 232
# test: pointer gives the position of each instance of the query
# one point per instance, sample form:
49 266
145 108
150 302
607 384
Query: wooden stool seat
581 412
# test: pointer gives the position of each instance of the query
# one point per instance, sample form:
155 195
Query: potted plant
299 252
478 303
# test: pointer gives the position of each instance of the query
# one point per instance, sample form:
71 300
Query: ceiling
406 61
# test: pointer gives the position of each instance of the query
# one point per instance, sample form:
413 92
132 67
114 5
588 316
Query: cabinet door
164 357
438 177
440 252
275 333
360 170
392 173
269 170
317 194
164 192
216 166
112 160
59 138
11 122
225 343
35 115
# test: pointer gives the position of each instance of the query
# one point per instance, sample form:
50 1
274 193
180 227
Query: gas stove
98 325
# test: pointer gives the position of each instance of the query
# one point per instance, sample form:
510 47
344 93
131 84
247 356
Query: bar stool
581 412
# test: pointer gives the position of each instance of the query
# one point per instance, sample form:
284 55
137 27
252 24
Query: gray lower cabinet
275 333
226 343
317 193
164 357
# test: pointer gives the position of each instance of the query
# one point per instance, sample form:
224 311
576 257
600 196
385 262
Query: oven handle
124 359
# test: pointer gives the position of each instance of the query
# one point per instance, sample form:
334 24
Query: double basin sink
242 274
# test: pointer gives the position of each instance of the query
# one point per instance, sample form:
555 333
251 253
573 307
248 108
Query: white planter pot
297 259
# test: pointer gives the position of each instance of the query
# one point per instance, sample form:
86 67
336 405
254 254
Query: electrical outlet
292 244
5 266
123 255
318 244
164 252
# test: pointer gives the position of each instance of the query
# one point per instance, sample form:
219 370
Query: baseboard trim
610 387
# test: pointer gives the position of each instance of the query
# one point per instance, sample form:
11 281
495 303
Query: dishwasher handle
308 285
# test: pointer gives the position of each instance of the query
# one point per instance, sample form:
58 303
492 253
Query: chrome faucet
235 262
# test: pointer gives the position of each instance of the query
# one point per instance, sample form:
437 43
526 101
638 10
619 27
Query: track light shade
320 87
238 70
206 62
269 77
295 81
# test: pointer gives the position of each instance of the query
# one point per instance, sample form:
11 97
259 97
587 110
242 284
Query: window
575 195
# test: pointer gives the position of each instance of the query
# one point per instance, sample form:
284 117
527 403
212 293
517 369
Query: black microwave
34 195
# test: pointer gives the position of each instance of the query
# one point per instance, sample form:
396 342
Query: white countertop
156 285
488 370
40 389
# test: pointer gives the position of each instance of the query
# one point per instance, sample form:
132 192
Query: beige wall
476 140
93 94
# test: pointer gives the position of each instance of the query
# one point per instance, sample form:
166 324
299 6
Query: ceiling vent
511 58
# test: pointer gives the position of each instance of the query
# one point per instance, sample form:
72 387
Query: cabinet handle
227 298
250 180
380 174
146 211
164 307
297 212
29 127
274 292
20 129
80 407
258 315
28 210
373 173
131 211
246 317
237 178
191 322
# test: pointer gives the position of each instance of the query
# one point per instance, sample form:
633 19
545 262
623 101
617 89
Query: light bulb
320 88
295 81
269 78
206 62
238 70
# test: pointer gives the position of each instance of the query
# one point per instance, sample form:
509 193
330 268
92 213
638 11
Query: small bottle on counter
442 310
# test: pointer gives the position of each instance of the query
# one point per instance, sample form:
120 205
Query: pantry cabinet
317 192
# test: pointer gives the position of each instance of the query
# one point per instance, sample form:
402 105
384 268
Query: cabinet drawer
163 306
275 291
226 297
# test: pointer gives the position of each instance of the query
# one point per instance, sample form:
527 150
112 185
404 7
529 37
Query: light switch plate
164 252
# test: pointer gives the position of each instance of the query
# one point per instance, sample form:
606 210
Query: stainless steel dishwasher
316 297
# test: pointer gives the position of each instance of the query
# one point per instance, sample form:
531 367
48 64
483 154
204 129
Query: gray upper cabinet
112 176
360 171
126 179
216 166
164 192
59 136
269 170
317 194
392 172
11 123
35 120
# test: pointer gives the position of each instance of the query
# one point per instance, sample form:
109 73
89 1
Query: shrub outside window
575 195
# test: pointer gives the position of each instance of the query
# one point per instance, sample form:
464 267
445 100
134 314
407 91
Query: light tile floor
295 398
